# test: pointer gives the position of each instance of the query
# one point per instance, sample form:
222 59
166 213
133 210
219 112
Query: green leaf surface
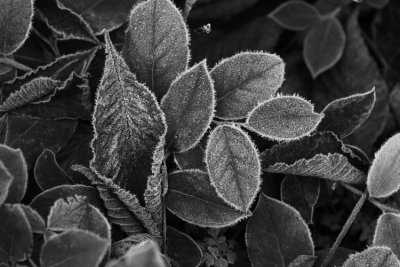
324 45
373 257
234 166
284 118
242 81
383 176
156 44
16 234
387 232
128 124
344 115
295 15
35 220
73 248
276 234
6 179
15 24
192 198
189 108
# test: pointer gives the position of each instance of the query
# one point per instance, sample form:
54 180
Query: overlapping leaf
373 257
156 44
193 158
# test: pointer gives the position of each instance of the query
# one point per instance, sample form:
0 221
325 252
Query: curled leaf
373 257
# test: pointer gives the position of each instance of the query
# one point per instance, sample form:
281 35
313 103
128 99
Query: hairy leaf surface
373 257
192 198
189 108
128 124
295 15
156 45
6 180
244 80
15 24
276 234
284 118
387 232
233 166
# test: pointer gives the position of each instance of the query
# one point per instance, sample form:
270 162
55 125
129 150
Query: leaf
303 261
43 202
373 257
322 155
48 173
295 15
104 14
301 193
189 108
15 24
36 221
188 6
63 21
338 258
383 176
386 232
32 135
15 166
121 247
324 45
73 248
156 44
344 115
192 158
6 179
284 118
234 166
128 125
192 198
182 249
244 80
276 234
16 235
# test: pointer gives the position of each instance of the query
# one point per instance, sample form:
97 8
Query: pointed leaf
387 232
128 124
295 15
16 235
276 234
182 249
383 176
6 180
73 248
15 24
344 115
373 257
35 220
233 166
324 45
244 80
189 108
192 198
284 118
156 45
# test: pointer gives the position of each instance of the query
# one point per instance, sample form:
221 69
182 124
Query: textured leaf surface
156 44
16 234
36 221
284 118
6 180
295 15
73 248
128 123
324 45
244 80
373 257
301 193
233 166
276 234
192 198
189 108
387 232
344 115
14 163
383 176
182 249
15 24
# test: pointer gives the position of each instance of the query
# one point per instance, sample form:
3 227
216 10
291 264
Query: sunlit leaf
276 234
6 180
383 176
233 166
284 118
192 198
387 232
182 249
156 45
373 257
244 80
15 24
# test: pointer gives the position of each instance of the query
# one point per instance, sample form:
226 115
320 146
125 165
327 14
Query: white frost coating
376 256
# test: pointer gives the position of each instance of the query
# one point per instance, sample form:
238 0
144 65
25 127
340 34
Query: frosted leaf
373 257
5 182
387 232
188 6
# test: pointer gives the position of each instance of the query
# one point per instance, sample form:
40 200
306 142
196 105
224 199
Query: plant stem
12 63
345 229
163 211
